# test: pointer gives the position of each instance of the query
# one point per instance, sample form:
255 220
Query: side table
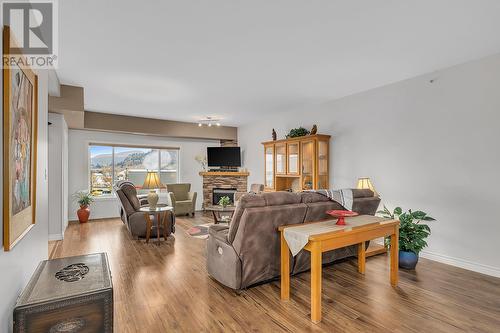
218 213
161 214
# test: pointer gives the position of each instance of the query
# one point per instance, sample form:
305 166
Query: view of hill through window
109 164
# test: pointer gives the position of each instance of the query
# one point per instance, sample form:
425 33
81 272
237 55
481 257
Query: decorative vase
83 214
152 199
408 259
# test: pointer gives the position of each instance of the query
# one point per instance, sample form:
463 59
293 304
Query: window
109 164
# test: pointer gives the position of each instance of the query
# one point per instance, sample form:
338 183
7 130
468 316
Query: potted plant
297 132
412 234
224 201
84 199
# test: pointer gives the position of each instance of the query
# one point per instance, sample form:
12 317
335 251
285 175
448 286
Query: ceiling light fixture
209 121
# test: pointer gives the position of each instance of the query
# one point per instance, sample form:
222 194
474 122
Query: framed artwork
20 124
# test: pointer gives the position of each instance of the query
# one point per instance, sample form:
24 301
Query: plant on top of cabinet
297 132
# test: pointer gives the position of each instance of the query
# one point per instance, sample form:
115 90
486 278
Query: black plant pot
408 260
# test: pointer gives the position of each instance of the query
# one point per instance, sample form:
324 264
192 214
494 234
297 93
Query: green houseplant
224 201
296 132
412 234
84 199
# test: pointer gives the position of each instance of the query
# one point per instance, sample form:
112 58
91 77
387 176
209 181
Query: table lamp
365 183
152 182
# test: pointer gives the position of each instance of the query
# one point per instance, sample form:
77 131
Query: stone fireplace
226 181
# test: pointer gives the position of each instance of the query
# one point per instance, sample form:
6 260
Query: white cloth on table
297 236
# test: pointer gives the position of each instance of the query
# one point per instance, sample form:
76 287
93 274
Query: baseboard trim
55 237
465 264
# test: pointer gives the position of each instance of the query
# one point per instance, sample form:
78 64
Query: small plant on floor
412 234
84 199
224 201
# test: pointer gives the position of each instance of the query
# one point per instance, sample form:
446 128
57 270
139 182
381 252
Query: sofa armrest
219 231
192 196
172 199
223 264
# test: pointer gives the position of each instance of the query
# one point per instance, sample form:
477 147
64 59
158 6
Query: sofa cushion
366 206
180 191
308 197
183 202
249 200
131 194
281 198
127 207
246 201
362 193
317 210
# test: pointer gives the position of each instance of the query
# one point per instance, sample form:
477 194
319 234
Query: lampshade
365 183
152 181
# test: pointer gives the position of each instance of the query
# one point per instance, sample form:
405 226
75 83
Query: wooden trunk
73 294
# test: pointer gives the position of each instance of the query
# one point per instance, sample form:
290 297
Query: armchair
183 201
130 203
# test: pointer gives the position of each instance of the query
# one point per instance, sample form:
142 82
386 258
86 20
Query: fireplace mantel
222 179
224 173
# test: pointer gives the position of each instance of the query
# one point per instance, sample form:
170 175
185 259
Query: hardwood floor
165 288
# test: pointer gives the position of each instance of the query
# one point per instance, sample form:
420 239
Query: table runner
297 237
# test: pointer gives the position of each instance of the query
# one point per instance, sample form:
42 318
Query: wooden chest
73 294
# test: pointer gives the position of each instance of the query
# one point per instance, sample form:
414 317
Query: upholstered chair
130 204
183 200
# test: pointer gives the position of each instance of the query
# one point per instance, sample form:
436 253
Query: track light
209 121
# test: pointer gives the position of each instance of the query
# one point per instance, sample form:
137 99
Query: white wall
428 146
17 265
58 176
109 207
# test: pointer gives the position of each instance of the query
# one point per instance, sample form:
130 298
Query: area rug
199 231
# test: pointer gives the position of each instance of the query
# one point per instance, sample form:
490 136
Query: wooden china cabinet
297 164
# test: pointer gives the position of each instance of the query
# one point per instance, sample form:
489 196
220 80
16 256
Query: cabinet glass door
281 158
323 165
293 158
307 165
269 165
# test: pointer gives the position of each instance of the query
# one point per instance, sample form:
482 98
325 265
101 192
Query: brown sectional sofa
248 251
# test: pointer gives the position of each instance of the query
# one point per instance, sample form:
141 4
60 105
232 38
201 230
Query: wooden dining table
329 237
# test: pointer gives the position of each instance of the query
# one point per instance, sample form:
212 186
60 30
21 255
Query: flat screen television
223 156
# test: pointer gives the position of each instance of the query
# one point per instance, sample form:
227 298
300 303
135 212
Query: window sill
109 197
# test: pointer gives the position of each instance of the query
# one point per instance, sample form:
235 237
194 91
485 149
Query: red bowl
341 214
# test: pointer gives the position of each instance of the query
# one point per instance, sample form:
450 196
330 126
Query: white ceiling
240 59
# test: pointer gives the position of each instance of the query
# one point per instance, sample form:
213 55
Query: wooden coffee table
357 230
218 213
